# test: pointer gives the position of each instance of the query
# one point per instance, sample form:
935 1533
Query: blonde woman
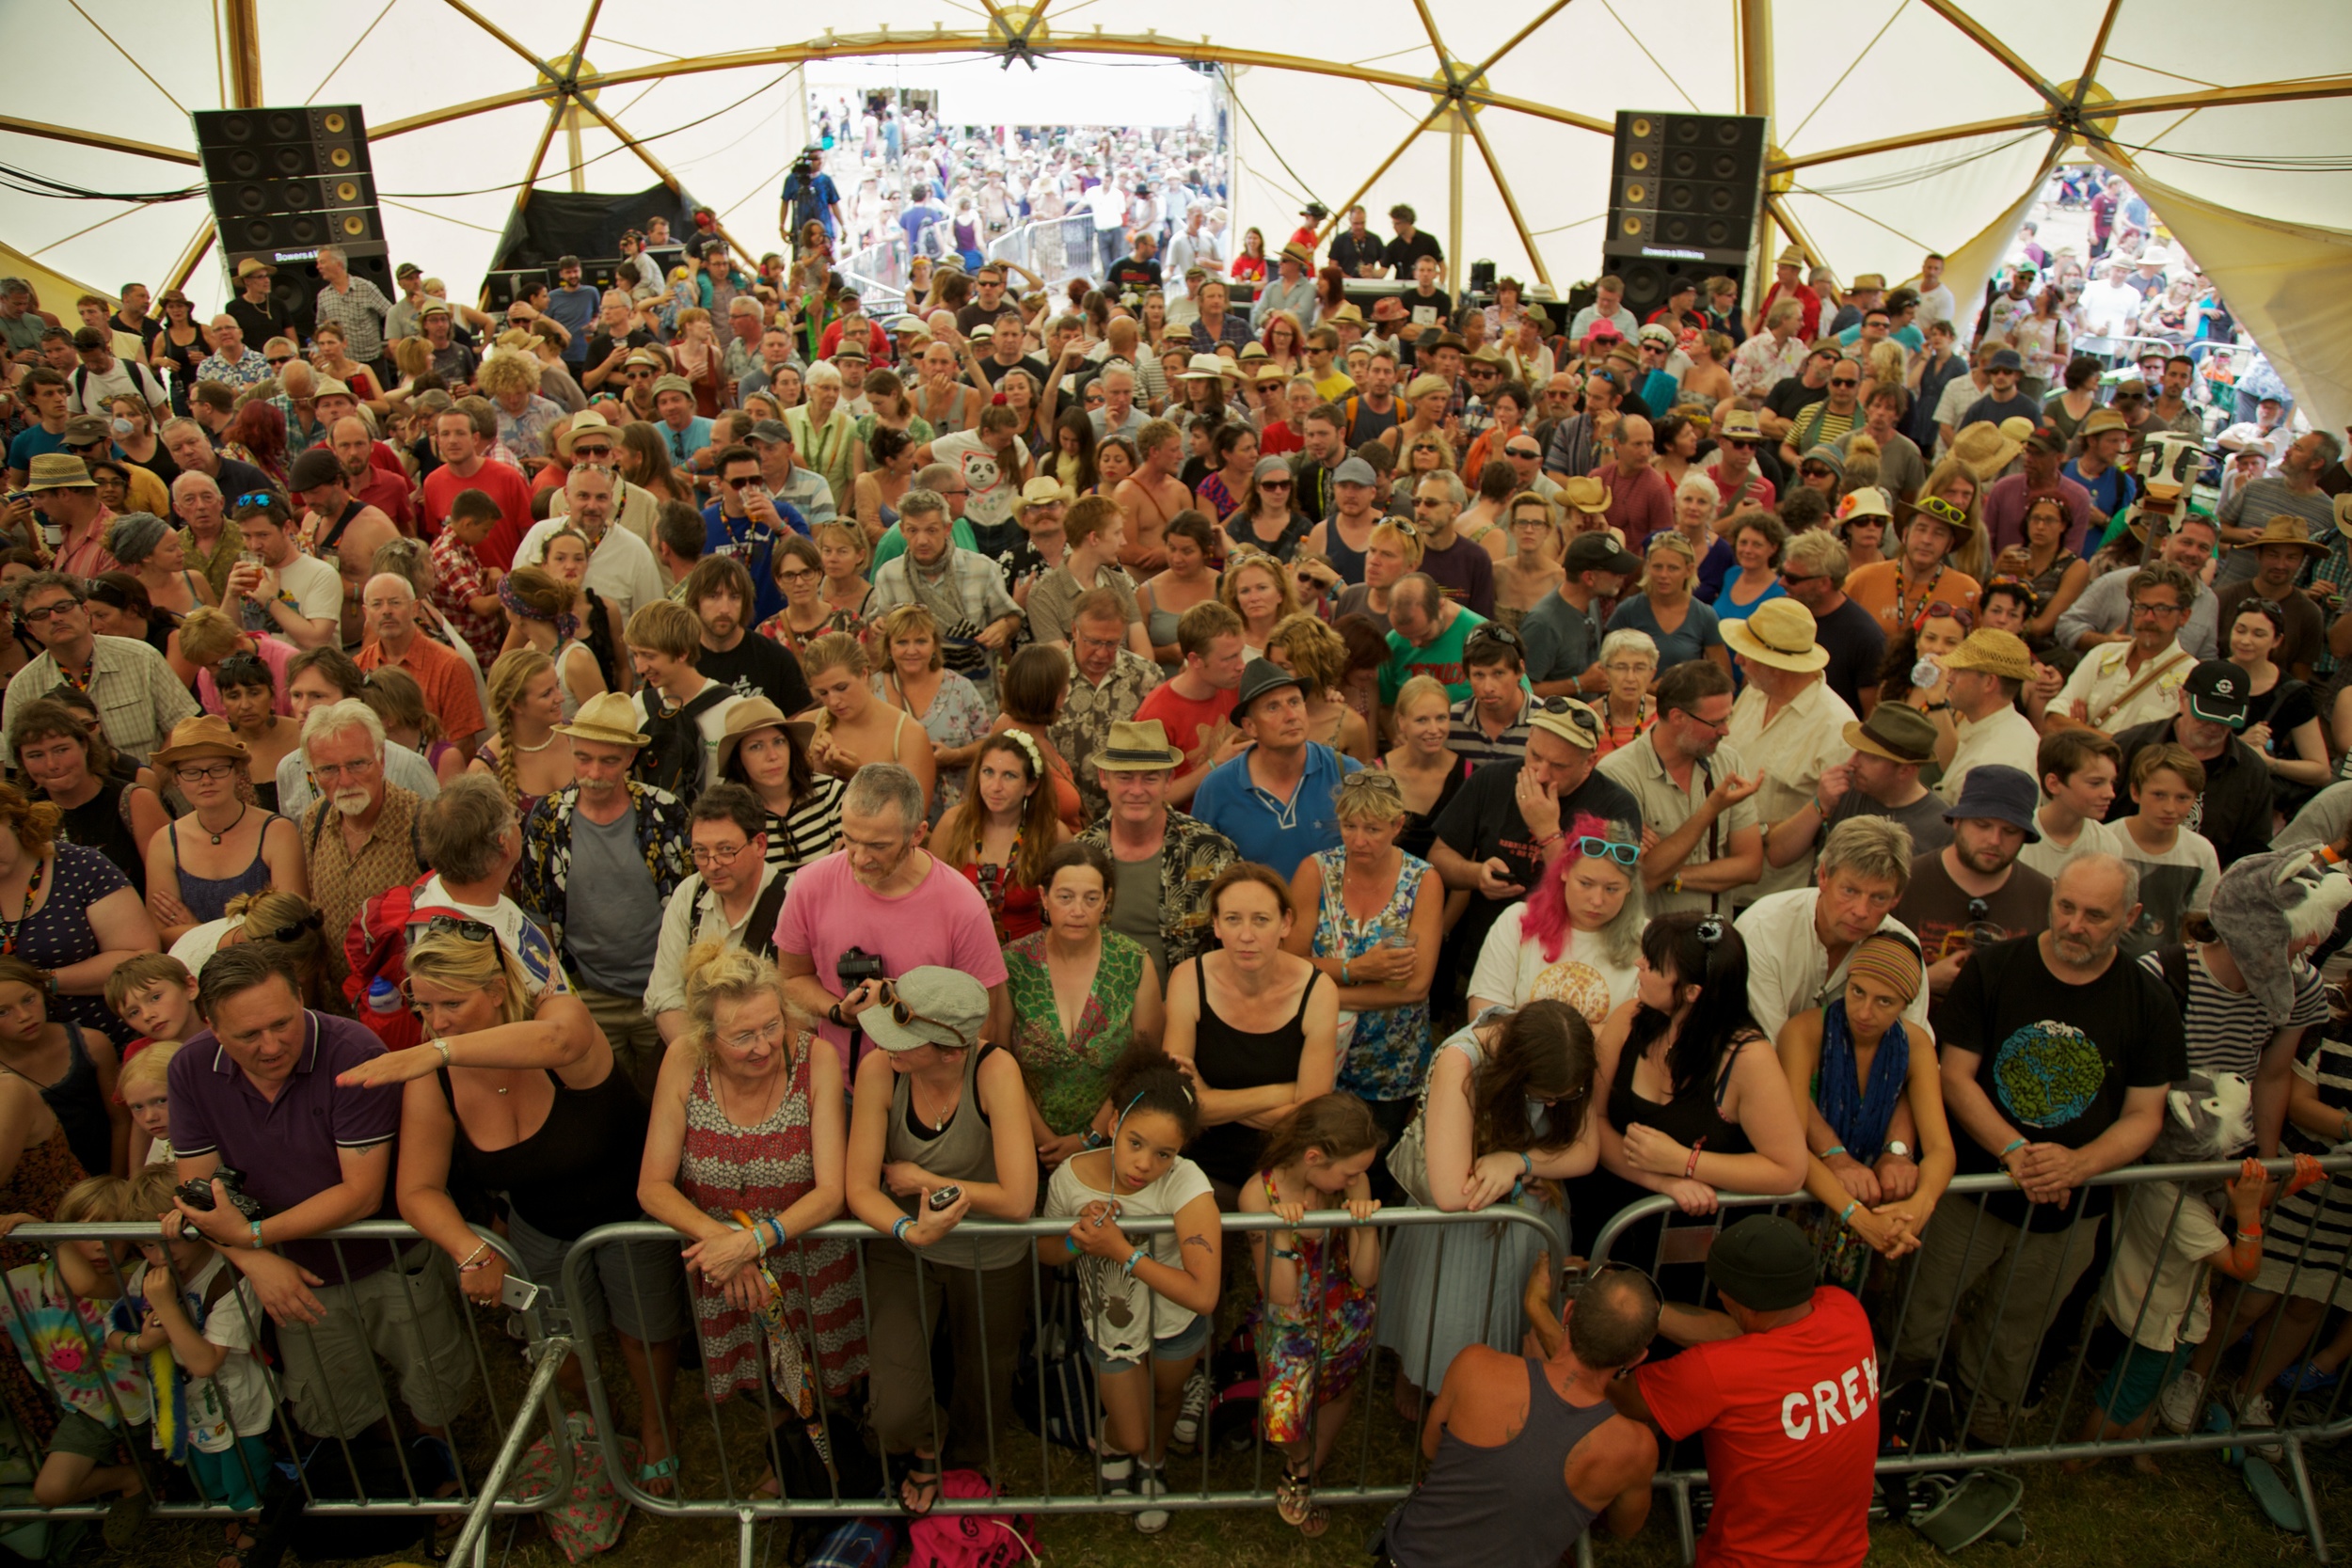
1427 770
1426 453
1532 568
748 1120
917 682
511 381
1318 656
843 552
524 754
856 727
518 1093
1391 552
1258 589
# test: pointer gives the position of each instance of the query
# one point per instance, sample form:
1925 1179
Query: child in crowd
154 993
1314 1333
464 589
198 1321
141 1084
59 1321
2177 865
2077 771
1151 1301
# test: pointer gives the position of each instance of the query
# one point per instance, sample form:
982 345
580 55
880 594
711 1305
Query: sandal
1292 1499
662 1472
239 1545
918 1489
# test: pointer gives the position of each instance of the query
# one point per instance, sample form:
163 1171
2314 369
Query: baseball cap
2005 359
1354 470
1571 720
1600 552
769 432
1765 1263
314 467
2216 692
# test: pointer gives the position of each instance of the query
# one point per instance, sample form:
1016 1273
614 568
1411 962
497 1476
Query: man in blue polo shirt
1275 799
256 1093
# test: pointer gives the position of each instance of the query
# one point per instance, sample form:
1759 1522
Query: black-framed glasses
211 774
1602 848
35 617
1789 579
1845 381
2139 607
716 855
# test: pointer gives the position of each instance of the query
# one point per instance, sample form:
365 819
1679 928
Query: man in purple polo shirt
257 1092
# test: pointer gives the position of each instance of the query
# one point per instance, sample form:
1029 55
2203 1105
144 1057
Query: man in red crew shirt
1782 1386
466 465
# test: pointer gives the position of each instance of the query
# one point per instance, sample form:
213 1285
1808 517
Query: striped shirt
2227 1030
1470 742
811 830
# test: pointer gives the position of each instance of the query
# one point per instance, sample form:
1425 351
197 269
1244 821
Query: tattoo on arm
1200 1242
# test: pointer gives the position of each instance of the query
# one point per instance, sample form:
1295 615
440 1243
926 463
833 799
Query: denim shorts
1181 1346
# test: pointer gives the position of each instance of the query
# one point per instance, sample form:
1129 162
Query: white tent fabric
1899 126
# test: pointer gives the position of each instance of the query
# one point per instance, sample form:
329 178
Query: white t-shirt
522 935
235 1401
317 588
1104 1286
621 570
2155 1290
1512 971
2050 858
1788 968
991 483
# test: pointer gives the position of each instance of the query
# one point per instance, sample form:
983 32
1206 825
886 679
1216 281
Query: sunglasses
1623 854
1943 609
1498 634
581 451
311 922
1274 484
283 359
907 1018
1942 512
1522 451
741 481
469 930
1578 715
1814 471
257 497
1844 381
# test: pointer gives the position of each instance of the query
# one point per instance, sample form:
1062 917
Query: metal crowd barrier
1066 1479
2066 1400
475 1495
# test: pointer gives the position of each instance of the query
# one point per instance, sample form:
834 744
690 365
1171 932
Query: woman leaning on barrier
1506 1114
940 1130
744 1156
518 1095
1695 1101
1855 1062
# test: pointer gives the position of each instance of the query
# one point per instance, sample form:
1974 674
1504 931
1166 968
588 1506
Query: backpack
759 927
969 1540
1053 1389
672 758
376 945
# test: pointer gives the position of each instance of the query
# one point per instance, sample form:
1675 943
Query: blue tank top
1513 1498
207 898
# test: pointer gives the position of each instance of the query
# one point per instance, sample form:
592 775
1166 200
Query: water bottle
383 996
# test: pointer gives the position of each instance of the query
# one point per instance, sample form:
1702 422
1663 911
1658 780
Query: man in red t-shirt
1196 704
466 465
1783 1387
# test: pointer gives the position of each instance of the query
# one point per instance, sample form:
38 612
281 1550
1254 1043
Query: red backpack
377 947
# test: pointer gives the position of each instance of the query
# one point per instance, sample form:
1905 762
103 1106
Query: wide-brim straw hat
607 718
1778 632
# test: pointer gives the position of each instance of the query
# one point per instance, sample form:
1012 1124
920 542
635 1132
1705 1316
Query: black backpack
672 757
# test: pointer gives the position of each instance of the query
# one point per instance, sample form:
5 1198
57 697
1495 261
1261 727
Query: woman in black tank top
1697 1102
1255 1027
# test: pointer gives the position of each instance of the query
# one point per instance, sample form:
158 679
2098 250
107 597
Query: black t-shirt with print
758 666
1129 271
1482 822
1790 397
2056 1059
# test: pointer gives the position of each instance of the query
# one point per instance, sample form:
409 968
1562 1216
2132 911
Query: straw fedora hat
2285 530
1585 494
584 421
607 718
1137 746
1994 652
203 736
1778 632
1985 448
59 470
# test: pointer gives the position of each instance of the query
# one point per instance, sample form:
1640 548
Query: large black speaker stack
286 182
1684 193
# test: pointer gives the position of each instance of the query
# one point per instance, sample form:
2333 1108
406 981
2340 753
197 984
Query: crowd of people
958 758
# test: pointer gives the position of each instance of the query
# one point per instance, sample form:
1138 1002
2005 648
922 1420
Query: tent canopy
1899 126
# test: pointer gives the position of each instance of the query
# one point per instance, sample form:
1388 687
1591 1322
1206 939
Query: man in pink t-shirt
1783 1387
882 897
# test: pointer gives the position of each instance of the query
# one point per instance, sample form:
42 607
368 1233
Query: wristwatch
1900 1149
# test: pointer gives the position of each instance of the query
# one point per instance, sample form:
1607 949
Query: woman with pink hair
1576 938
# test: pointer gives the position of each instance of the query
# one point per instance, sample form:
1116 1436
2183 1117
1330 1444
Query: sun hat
1137 746
205 734
59 470
1739 425
1896 731
1780 633
2285 530
673 384
584 421
1042 491
606 718
1994 652
1203 367
1865 500
2102 420
749 716
1585 494
1984 447
2000 792
1425 385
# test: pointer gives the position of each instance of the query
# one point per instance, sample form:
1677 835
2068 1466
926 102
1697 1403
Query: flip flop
2276 1496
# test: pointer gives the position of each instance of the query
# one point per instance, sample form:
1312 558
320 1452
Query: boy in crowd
465 589
142 1085
2177 865
154 993
2077 768
102 1385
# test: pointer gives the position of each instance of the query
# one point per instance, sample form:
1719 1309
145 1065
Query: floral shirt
543 877
1069 1075
1085 724
1384 1056
1192 854
526 434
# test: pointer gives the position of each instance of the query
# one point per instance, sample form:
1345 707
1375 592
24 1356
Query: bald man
393 639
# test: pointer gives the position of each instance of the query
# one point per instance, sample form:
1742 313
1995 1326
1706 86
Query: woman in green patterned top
1080 995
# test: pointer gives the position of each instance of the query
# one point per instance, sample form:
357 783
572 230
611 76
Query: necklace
541 747
32 891
241 808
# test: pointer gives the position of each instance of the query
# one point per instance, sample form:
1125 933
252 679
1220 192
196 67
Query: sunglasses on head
469 930
1578 715
1497 634
907 1018
1602 848
1943 609
1942 512
311 922
256 498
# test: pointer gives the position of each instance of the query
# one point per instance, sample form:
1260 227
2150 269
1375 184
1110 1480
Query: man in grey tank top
1524 1454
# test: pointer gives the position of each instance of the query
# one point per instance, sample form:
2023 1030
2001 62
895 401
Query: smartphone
946 1198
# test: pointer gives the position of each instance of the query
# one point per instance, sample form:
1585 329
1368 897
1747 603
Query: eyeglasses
35 617
772 1031
1793 579
311 922
715 855
206 774
458 925
1623 854
2137 608
1721 726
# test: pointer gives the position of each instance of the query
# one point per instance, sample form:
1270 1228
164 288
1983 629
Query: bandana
566 625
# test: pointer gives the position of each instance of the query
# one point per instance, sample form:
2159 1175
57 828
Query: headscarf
1859 1113
566 625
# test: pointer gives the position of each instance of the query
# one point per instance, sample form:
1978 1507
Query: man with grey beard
360 838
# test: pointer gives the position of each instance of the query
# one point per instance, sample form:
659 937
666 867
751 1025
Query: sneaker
2253 1411
2305 1377
2181 1403
1150 1482
1193 1414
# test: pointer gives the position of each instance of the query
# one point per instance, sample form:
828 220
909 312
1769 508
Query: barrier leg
2302 1473
550 1353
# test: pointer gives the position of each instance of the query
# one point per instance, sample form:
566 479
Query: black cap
1430 339
1260 677
2216 692
314 467
1600 552
1764 1263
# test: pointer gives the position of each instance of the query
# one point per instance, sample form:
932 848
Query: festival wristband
257 1235
2250 1233
1833 1151
1845 1216
898 1231
1689 1170
1133 1258
1527 1166
2014 1145
1069 1245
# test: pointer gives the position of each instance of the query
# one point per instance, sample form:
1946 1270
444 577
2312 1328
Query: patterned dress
1311 1353
1386 1055
43 1175
1071 1075
765 1170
